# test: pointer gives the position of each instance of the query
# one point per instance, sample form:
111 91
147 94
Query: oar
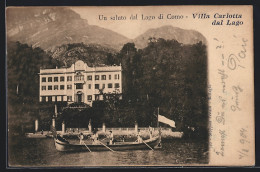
104 139
106 146
85 145
147 145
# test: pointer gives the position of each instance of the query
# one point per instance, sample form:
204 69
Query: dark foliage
23 66
168 75
93 55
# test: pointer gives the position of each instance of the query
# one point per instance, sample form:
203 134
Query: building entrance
79 97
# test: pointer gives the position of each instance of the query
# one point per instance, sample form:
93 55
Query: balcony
79 79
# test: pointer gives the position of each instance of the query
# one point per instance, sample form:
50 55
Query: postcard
93 86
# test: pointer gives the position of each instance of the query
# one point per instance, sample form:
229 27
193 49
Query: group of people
95 137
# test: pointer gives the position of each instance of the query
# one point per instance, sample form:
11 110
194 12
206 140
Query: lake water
42 153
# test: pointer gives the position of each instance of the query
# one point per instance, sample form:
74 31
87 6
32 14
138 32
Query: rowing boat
62 144
117 146
35 135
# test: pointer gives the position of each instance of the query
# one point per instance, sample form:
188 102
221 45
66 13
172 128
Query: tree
110 59
128 58
23 66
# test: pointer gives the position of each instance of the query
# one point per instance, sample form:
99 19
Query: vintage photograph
100 86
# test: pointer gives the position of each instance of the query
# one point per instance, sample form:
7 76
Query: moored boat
62 144
117 146
35 135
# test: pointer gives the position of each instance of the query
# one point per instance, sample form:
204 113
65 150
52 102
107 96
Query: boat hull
122 146
35 136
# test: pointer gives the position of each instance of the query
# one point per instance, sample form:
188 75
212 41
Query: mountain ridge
169 32
51 27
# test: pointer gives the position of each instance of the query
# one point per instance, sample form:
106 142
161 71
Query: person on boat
42 132
111 138
95 137
150 132
139 138
81 137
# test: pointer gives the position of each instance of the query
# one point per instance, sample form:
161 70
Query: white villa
80 83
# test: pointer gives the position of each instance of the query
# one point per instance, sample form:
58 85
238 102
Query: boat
35 135
63 145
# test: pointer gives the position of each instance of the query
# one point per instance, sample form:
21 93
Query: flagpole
159 129
158 118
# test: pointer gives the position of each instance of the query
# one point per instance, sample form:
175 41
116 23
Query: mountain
169 33
49 27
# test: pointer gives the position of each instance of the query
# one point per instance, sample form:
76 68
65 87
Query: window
97 77
89 86
116 85
96 97
79 77
116 76
62 98
103 86
103 77
79 86
56 87
62 79
43 87
89 77
55 98
69 78
89 97
49 98
44 79
49 87
69 87
56 79
61 87
49 79
96 86
109 85
109 77
69 98
44 98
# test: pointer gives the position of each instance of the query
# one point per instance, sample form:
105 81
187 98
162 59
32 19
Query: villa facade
80 83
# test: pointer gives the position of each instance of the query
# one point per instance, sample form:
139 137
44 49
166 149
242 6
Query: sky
130 28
